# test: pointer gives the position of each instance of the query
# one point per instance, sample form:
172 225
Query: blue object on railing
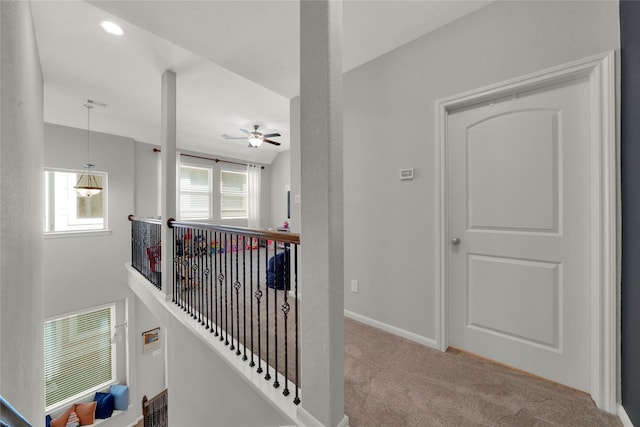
9 417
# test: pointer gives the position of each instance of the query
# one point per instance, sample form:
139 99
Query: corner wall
630 179
21 287
389 115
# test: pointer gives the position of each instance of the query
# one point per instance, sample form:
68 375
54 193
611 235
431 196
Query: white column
322 212
168 175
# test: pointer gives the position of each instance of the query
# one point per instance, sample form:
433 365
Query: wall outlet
354 286
297 199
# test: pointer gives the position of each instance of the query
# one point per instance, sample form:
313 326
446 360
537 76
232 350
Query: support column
168 175
322 212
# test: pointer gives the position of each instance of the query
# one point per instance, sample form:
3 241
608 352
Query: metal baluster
197 269
253 349
296 400
276 384
174 258
221 281
244 297
266 288
237 285
207 273
226 286
232 283
258 297
215 269
285 309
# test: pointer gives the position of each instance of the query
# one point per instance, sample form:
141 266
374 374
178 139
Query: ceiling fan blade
271 142
271 135
233 137
246 131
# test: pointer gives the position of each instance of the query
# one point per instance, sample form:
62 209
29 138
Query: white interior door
518 205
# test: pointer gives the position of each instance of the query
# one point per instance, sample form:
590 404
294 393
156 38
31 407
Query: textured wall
21 289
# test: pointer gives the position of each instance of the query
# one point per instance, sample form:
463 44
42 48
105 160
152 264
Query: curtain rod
157 150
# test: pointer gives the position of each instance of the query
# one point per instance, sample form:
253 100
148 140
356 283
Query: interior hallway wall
389 124
85 271
21 159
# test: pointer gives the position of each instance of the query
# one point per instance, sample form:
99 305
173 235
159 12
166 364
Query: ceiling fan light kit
255 138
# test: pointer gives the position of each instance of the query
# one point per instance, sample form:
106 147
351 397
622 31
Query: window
66 210
78 355
195 193
233 194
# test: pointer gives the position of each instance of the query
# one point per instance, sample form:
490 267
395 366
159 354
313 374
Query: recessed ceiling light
112 28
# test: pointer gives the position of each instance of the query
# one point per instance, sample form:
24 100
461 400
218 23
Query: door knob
455 241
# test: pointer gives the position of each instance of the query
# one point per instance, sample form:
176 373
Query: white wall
147 181
280 183
204 390
85 271
294 153
21 287
150 367
389 125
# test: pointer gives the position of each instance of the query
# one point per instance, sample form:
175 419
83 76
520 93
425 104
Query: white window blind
78 355
195 193
233 194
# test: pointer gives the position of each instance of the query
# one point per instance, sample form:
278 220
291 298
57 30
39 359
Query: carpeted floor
391 381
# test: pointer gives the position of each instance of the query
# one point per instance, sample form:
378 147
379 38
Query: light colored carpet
391 381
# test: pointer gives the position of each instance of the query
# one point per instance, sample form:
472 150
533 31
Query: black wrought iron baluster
199 270
258 298
221 284
226 286
296 400
276 384
192 261
237 285
171 249
207 273
285 309
201 285
216 273
232 284
266 288
244 297
253 349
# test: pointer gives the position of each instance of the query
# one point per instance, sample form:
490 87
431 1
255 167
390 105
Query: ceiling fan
255 138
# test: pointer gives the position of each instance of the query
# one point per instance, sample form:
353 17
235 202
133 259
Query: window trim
114 362
82 231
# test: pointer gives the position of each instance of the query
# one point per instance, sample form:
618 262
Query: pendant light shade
87 184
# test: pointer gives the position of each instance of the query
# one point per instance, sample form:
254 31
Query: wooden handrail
147 220
242 231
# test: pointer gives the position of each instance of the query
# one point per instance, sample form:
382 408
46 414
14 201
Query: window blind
233 194
195 193
77 354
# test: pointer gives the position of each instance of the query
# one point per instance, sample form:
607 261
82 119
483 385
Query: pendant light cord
89 107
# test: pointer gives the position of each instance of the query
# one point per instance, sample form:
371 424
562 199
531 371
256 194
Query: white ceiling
237 62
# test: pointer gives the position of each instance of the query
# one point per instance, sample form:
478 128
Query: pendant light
87 184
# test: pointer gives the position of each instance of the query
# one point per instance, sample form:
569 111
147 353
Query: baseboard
624 418
308 420
392 329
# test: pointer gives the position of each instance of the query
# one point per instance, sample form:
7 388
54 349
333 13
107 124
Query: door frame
604 178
